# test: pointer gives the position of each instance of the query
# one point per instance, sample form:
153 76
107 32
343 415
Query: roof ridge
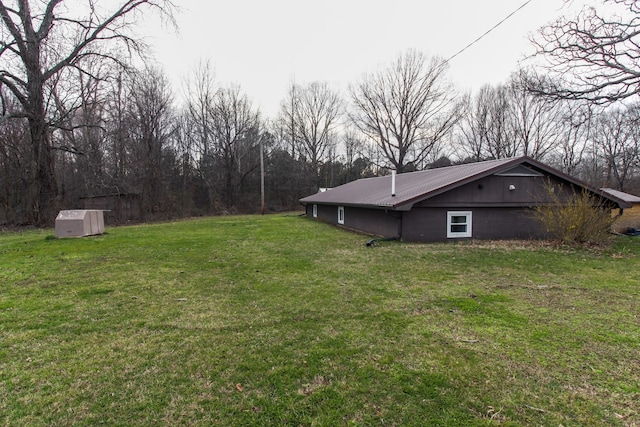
372 191
459 165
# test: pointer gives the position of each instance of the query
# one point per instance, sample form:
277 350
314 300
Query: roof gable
519 170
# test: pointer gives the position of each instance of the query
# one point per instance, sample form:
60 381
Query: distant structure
123 207
629 217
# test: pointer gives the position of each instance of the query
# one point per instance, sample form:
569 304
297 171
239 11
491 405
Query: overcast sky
263 45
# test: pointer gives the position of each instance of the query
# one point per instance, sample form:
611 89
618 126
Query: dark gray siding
326 213
430 224
506 223
493 190
371 221
425 225
497 211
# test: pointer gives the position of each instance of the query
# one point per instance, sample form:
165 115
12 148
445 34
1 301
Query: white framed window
315 211
340 214
458 224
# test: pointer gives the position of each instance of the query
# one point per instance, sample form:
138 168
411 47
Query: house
484 200
630 217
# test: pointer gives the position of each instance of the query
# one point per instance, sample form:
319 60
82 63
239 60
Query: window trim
459 234
341 215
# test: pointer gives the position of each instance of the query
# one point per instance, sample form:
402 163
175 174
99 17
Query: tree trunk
42 194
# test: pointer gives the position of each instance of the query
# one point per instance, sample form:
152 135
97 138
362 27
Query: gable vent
519 171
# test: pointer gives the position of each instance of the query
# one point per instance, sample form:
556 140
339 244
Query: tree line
85 115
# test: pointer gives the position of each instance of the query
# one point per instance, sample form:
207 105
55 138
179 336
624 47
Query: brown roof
630 198
415 186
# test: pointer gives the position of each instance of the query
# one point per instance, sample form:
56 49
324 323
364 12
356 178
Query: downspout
612 228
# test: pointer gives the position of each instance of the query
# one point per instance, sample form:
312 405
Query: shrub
575 218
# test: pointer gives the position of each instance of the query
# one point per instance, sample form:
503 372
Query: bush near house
575 218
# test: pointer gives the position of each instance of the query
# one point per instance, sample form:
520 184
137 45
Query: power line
488 31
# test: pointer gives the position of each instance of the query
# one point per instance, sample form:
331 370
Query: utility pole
293 120
261 177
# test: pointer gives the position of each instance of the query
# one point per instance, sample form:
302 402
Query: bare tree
501 141
14 158
151 124
200 106
81 136
119 133
405 108
536 120
201 93
236 129
593 56
309 117
286 120
41 40
487 129
472 136
618 145
577 124
318 113
354 155
507 120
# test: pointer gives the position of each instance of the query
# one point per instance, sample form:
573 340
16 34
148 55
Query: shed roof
630 198
416 186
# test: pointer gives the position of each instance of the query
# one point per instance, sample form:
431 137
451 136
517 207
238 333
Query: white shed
79 223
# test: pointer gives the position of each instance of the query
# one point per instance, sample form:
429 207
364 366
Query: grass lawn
279 320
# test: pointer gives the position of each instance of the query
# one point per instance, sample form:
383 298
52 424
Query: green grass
279 320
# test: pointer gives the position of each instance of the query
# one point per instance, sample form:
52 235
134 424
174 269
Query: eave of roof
414 187
629 198
410 187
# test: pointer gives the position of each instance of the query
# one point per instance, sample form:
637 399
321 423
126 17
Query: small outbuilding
484 200
122 207
79 223
629 218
